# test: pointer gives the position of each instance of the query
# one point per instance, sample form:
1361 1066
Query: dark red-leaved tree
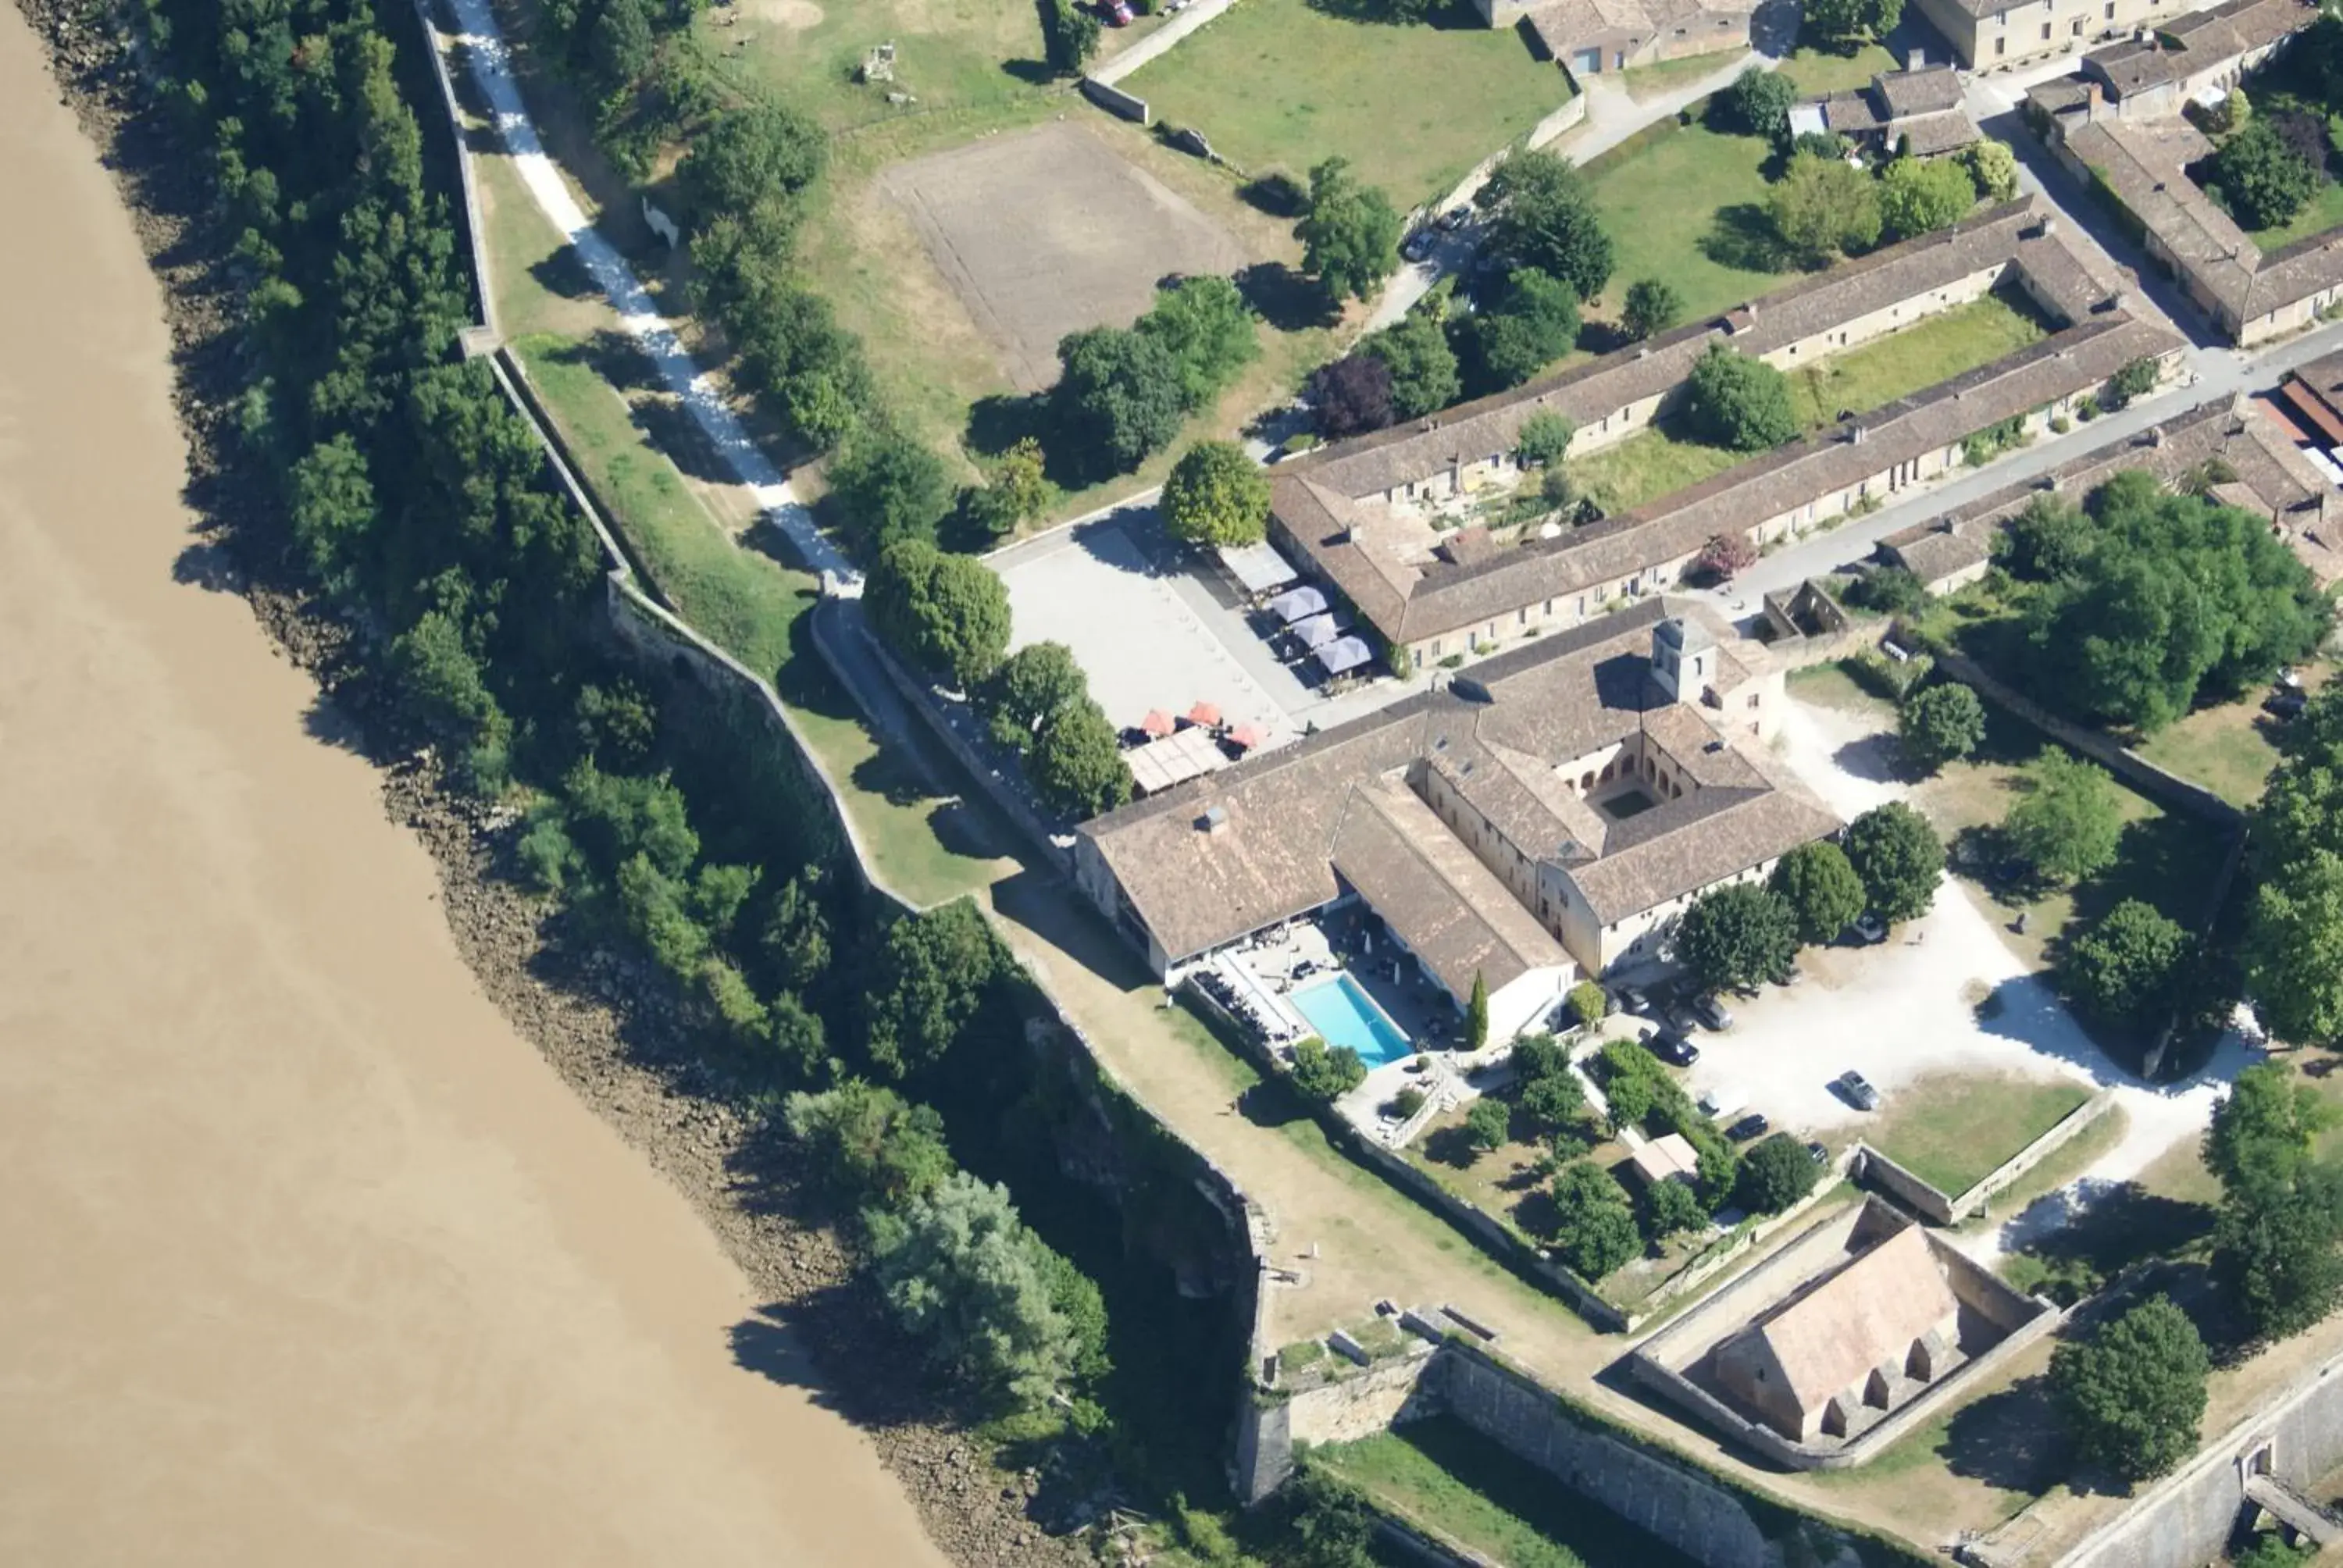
1352 396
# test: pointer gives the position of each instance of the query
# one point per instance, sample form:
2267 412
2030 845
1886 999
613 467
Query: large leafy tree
2128 968
1352 396
1118 396
1852 19
1734 936
961 1272
2067 824
1821 207
1594 1229
1324 1073
1776 1173
1077 761
1532 322
1423 365
933 973
1070 35
1758 104
1918 194
2293 949
1653 305
1821 889
1032 687
1216 495
1206 326
759 150
1899 858
1542 215
1739 403
889 486
948 614
2282 1207
1939 724
2133 1393
868 1143
2264 181
1350 235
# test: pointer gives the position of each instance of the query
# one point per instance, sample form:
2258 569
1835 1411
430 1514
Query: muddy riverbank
333 1269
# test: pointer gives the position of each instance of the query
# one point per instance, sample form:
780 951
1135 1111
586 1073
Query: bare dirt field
1048 231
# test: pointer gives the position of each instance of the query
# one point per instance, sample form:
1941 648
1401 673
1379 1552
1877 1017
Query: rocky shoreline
612 1029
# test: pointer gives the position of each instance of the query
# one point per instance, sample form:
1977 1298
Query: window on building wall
1521 616
1436 648
2046 32
2000 46
2078 26
1754 698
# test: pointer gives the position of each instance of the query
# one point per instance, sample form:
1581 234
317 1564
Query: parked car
1630 998
1817 1153
1858 1090
1712 1011
1454 218
1117 14
1671 1047
2285 702
1753 1125
1418 244
1869 929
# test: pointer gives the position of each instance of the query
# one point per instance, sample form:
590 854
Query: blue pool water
1343 1014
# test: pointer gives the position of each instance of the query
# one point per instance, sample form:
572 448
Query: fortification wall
2186 1520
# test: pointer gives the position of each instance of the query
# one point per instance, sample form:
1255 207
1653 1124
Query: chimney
1854 436
1916 58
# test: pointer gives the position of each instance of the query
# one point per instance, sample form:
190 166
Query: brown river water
306 1257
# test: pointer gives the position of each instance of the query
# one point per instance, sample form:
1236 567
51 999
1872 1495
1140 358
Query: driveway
1909 1008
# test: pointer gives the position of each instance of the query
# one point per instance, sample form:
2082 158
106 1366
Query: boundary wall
1870 1165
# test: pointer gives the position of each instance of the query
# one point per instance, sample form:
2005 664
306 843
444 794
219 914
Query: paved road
492 66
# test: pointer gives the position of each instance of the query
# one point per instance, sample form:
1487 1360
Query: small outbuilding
1668 1158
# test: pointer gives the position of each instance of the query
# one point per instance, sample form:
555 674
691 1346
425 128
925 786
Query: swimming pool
1343 1014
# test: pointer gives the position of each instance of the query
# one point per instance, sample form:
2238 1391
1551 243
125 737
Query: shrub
1487 1125
2128 968
2264 181
1407 1103
1890 590
1939 724
1553 1102
1351 395
1758 104
2137 378
1588 1004
1544 439
1775 1174
1821 206
1739 403
1324 1074
1653 305
1350 237
1917 196
1670 1208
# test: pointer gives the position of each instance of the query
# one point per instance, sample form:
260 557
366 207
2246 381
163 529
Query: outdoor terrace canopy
1297 604
1257 566
1316 631
1160 764
1345 653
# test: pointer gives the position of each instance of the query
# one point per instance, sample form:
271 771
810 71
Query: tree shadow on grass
564 274
998 422
2082 1236
1451 1146
1284 298
1742 237
616 358
2012 1440
1276 193
1032 73
1537 1214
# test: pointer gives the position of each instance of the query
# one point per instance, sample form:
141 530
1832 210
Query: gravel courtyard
1909 1008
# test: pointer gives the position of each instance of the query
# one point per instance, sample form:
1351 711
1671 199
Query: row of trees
422 507
1735 936
948 615
2293 944
1123 392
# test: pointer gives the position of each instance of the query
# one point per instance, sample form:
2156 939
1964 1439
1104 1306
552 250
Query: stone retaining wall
1115 101
484 337
1870 1165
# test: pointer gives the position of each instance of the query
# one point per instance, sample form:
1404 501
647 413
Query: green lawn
2227 749
1952 1132
954 56
1646 82
2322 212
1458 1484
1818 71
1686 205
1646 466
1280 83
746 601
1661 461
1919 356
